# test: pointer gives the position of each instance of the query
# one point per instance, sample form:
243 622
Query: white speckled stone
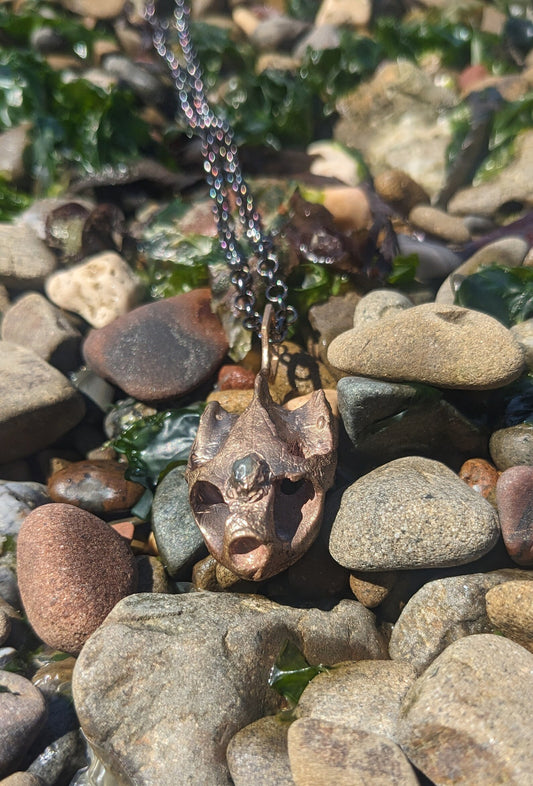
99 289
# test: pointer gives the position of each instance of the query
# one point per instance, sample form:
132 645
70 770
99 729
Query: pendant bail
269 361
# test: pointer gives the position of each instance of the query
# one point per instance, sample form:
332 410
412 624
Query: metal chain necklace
257 481
224 176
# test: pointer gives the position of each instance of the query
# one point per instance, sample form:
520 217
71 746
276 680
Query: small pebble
33 322
446 346
443 611
39 404
323 753
17 499
479 692
400 190
72 569
178 538
365 695
411 513
512 446
377 305
514 498
100 289
235 378
22 714
481 476
439 224
25 261
510 609
141 351
97 486
371 589
258 754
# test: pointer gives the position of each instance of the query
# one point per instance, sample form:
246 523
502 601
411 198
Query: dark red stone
235 378
98 486
162 350
514 498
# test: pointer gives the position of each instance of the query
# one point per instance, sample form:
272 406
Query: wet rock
25 261
393 113
400 191
371 589
514 498
100 289
386 420
205 658
509 252
410 513
349 207
258 754
439 224
510 609
379 304
60 760
124 414
365 695
141 352
477 694
97 486
435 260
33 322
16 501
344 12
38 403
512 446
22 713
178 538
447 346
322 753
235 378
512 184
72 569
443 611
54 681
481 476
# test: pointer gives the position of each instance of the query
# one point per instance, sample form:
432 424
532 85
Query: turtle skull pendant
257 481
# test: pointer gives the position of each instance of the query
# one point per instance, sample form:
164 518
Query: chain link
223 175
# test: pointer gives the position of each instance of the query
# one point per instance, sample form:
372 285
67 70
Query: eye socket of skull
211 512
296 503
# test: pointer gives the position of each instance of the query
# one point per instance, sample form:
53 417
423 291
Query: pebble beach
389 148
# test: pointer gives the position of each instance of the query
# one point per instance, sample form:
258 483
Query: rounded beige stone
446 346
510 609
439 223
99 289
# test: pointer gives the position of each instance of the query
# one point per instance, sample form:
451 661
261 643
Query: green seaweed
504 293
291 673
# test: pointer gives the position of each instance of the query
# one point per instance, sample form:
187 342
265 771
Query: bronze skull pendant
257 481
